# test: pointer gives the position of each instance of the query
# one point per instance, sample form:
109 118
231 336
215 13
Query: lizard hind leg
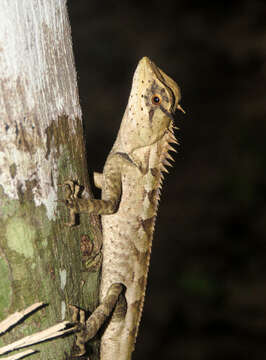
87 330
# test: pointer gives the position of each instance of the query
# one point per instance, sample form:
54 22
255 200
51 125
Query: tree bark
41 146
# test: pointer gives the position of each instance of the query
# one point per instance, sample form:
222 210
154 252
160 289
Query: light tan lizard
130 183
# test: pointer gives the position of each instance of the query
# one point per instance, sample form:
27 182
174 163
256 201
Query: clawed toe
73 188
77 313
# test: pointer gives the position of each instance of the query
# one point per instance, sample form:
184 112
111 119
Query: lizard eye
156 99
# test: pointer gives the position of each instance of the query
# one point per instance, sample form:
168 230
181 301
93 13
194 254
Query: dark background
206 296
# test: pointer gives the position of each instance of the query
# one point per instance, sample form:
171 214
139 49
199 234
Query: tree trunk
41 146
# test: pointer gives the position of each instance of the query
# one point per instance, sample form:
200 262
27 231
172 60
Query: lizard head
153 99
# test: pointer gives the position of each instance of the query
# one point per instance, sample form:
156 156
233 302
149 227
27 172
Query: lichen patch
18 228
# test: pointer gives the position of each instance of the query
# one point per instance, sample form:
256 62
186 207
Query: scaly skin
130 183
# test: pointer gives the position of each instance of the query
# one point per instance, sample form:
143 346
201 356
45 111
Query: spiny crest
166 147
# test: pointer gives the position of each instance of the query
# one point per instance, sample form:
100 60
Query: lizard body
130 183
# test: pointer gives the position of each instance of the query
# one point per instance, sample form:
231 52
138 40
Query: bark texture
41 145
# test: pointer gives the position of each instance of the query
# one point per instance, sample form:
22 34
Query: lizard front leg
110 180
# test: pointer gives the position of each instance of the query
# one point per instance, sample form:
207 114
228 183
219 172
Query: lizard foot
78 318
72 193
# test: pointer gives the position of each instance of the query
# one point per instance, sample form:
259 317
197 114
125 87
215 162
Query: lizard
131 184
